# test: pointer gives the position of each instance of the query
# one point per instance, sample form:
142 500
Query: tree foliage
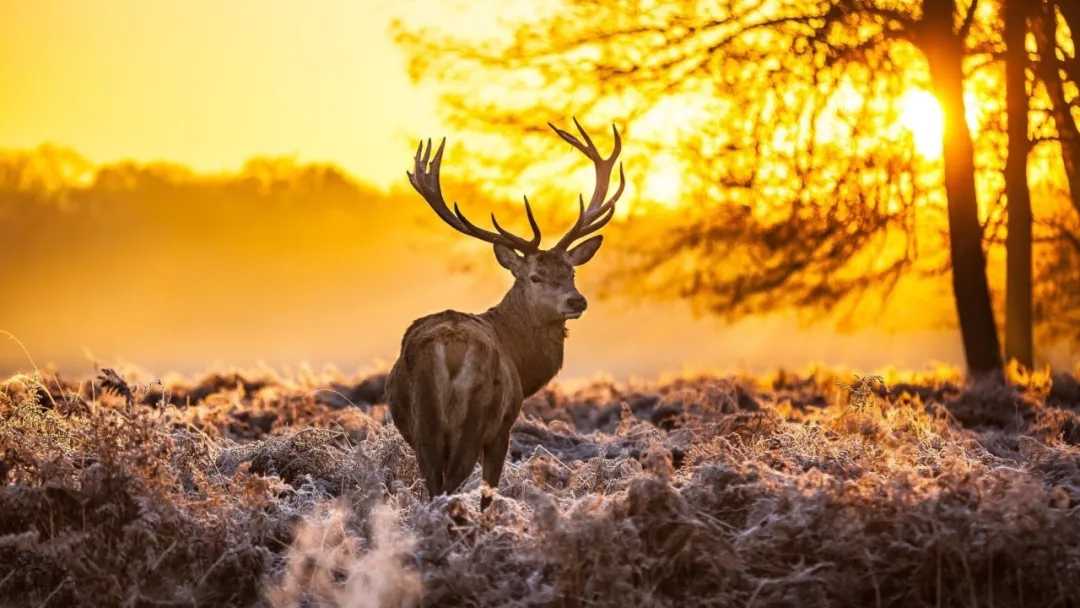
800 186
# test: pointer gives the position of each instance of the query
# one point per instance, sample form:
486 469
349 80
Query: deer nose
577 303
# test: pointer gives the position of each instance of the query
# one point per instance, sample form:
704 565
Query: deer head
545 277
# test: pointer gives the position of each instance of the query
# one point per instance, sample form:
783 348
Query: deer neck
535 346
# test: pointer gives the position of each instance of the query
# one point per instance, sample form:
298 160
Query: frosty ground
788 489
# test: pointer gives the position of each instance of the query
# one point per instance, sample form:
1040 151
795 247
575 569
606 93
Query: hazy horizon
165 245
284 293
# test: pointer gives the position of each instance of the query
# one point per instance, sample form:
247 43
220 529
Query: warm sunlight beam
921 114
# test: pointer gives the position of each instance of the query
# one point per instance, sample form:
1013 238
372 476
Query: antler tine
584 135
535 241
616 148
599 212
605 212
573 141
425 180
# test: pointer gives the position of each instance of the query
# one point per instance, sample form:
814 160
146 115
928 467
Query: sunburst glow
920 113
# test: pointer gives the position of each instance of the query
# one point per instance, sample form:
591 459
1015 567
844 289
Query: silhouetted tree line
799 190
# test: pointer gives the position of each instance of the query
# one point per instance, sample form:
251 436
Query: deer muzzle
575 305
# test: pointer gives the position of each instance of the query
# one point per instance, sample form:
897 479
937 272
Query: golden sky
212 84
209 83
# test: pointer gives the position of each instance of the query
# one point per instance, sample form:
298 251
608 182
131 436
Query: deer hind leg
493 460
461 464
470 402
428 456
430 428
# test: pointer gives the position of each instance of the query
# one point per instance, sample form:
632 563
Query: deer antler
599 212
425 179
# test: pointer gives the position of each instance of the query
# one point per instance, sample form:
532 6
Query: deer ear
509 259
584 252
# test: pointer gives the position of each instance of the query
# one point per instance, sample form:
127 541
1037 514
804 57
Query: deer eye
536 279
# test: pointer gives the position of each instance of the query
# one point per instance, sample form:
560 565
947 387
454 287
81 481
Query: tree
1019 343
944 50
1056 29
813 195
1052 62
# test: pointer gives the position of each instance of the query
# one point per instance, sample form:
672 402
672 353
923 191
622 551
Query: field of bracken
790 489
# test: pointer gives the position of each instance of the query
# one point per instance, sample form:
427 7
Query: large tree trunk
943 48
1050 74
1019 343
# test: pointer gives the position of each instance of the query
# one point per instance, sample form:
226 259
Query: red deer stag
458 384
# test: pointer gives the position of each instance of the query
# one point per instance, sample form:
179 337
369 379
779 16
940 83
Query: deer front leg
494 457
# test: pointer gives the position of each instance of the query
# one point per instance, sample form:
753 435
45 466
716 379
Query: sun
920 113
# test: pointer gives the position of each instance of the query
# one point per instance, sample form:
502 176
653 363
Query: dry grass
787 490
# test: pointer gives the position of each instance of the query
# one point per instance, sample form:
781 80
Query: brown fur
458 384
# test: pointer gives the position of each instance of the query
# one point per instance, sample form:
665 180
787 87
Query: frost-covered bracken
779 490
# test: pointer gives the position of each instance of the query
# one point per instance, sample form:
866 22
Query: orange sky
209 83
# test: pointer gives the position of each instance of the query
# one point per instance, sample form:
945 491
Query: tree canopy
812 169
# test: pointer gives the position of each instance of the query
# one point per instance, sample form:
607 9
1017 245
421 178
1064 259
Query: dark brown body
459 382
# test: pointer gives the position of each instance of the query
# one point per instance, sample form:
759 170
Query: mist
284 265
